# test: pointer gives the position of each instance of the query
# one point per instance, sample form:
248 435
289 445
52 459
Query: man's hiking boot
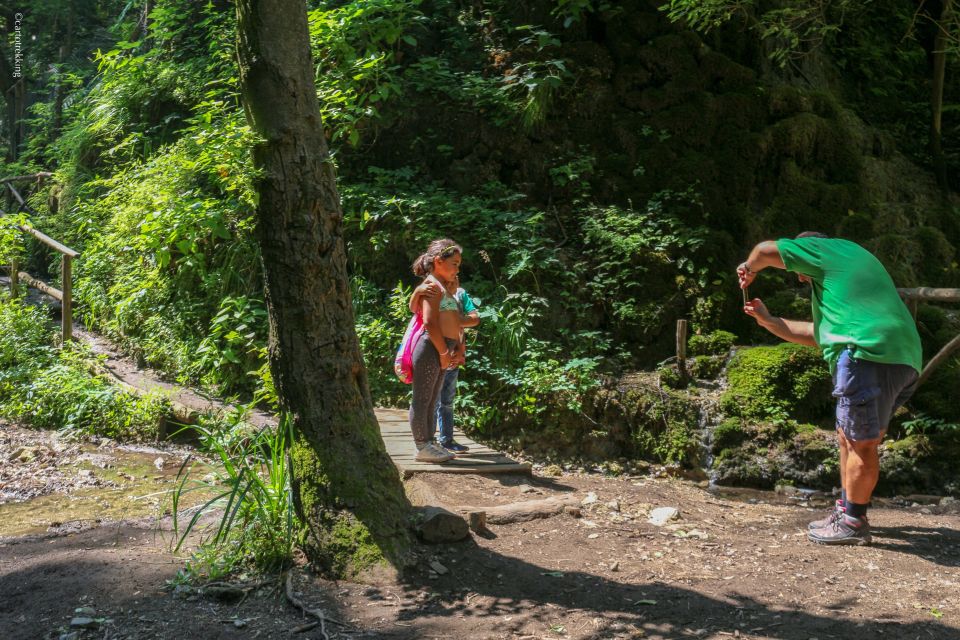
455 447
433 453
830 519
844 530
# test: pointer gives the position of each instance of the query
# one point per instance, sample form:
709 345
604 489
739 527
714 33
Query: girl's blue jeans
448 393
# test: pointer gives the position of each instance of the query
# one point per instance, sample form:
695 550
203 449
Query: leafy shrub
252 494
54 389
707 367
717 343
645 256
670 377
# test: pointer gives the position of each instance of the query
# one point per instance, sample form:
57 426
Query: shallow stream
48 484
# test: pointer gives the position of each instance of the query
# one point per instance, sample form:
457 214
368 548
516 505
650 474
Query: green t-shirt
854 302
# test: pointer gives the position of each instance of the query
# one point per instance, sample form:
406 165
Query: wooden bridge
395 429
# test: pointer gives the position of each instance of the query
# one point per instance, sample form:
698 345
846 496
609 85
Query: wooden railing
66 266
912 297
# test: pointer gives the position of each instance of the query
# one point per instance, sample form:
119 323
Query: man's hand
758 311
798 331
745 276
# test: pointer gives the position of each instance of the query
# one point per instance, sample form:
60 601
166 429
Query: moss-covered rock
761 442
780 382
728 434
632 418
769 453
920 464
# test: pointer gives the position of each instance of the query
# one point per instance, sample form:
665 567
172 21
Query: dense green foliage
54 388
603 167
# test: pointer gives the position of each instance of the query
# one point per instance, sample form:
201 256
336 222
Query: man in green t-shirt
872 346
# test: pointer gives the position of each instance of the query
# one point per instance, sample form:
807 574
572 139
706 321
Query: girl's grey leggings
427 382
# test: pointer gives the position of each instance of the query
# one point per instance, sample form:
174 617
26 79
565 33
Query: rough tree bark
346 490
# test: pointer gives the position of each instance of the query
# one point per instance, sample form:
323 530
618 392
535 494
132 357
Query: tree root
319 614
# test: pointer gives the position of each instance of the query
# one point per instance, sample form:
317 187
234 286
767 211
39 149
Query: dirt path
725 569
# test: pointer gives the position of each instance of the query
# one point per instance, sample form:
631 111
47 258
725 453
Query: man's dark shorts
868 393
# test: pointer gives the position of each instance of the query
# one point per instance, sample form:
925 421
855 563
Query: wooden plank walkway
395 429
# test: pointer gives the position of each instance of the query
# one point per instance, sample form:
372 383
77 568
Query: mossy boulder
629 418
765 454
729 434
920 463
761 442
779 382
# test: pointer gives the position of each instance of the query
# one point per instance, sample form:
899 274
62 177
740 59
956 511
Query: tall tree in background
945 26
346 490
13 85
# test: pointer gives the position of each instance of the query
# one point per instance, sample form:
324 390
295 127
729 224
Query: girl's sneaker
455 447
432 453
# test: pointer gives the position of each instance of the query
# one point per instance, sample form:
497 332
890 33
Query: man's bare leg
859 472
861 469
842 441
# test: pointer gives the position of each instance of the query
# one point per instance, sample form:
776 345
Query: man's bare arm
766 254
796 331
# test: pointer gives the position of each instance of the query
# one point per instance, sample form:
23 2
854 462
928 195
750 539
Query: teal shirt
854 302
466 301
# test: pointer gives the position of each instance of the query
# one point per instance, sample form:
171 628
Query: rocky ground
723 568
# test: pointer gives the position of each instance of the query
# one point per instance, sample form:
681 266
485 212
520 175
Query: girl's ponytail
443 248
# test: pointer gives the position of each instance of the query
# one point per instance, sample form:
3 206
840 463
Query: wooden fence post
67 308
682 348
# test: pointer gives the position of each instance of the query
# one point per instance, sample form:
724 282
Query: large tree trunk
347 492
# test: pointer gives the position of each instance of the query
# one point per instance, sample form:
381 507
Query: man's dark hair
811 234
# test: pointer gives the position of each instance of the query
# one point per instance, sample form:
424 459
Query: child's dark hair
443 248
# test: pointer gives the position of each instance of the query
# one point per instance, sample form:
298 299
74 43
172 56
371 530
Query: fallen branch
33 176
938 359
